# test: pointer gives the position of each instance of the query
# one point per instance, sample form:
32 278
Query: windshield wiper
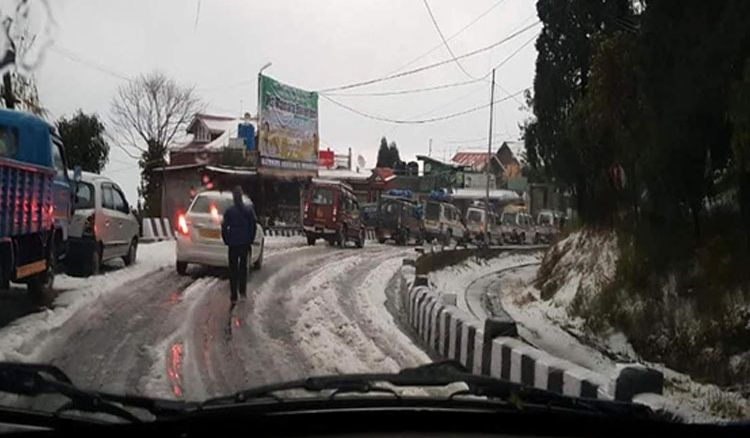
35 379
438 374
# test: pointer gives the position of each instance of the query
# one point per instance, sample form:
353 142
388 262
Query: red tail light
182 225
307 208
335 211
89 227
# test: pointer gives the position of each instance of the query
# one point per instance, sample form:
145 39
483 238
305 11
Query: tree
563 68
84 141
148 113
383 154
394 158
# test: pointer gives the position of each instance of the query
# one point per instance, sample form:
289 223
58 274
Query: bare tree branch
148 113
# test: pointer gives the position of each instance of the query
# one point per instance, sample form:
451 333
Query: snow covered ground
20 340
145 329
547 325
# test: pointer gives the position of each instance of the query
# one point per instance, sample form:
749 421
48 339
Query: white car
102 228
199 233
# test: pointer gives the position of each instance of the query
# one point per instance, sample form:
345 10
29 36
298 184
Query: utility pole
429 154
487 166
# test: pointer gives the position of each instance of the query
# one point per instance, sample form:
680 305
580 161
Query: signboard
288 136
326 159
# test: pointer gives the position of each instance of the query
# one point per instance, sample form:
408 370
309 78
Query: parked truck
35 203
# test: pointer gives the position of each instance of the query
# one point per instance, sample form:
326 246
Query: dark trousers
238 269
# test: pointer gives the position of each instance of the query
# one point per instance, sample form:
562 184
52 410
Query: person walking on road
238 233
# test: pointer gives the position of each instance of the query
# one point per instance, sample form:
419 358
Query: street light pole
487 166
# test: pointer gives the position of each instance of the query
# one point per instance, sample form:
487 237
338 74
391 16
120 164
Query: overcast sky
219 45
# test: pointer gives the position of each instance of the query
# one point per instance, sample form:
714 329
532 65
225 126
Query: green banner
288 127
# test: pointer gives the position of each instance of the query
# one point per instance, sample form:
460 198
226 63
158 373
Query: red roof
476 160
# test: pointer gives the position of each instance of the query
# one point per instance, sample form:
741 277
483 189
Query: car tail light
89 227
182 225
335 211
307 208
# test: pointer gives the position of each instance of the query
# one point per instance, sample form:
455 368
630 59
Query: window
120 203
84 195
57 159
204 203
432 211
509 219
474 216
322 197
201 133
8 142
108 200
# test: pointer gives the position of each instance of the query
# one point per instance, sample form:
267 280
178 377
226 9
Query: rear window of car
203 204
8 142
84 195
322 196
474 216
432 211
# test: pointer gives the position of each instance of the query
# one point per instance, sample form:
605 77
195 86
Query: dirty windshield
394 157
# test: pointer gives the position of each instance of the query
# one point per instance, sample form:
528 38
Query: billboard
288 127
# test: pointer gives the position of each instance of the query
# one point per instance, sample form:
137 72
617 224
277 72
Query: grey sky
313 45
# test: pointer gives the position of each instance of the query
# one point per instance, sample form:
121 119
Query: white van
443 222
102 228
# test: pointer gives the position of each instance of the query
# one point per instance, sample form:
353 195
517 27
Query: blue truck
35 203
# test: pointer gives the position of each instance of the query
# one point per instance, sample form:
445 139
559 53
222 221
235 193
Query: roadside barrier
492 347
156 229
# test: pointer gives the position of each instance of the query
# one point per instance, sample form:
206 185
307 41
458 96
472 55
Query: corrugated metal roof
476 160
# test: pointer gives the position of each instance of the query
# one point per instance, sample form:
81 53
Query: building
208 135
220 153
475 165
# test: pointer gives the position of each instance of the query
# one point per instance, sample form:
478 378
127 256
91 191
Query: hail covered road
310 311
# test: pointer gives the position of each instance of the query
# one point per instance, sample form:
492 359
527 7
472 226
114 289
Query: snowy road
311 310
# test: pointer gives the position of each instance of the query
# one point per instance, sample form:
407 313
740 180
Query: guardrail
492 347
156 229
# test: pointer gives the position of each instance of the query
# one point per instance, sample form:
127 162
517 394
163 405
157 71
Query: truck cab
35 202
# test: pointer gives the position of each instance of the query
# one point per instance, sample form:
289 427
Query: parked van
480 222
443 222
104 226
547 226
517 227
399 219
331 212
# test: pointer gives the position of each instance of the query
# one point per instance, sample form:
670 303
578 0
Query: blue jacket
238 225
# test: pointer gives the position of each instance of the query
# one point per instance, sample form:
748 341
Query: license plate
210 234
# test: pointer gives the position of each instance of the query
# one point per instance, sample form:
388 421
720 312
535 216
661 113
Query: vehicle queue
332 213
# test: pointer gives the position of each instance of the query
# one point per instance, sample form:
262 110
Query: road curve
311 310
